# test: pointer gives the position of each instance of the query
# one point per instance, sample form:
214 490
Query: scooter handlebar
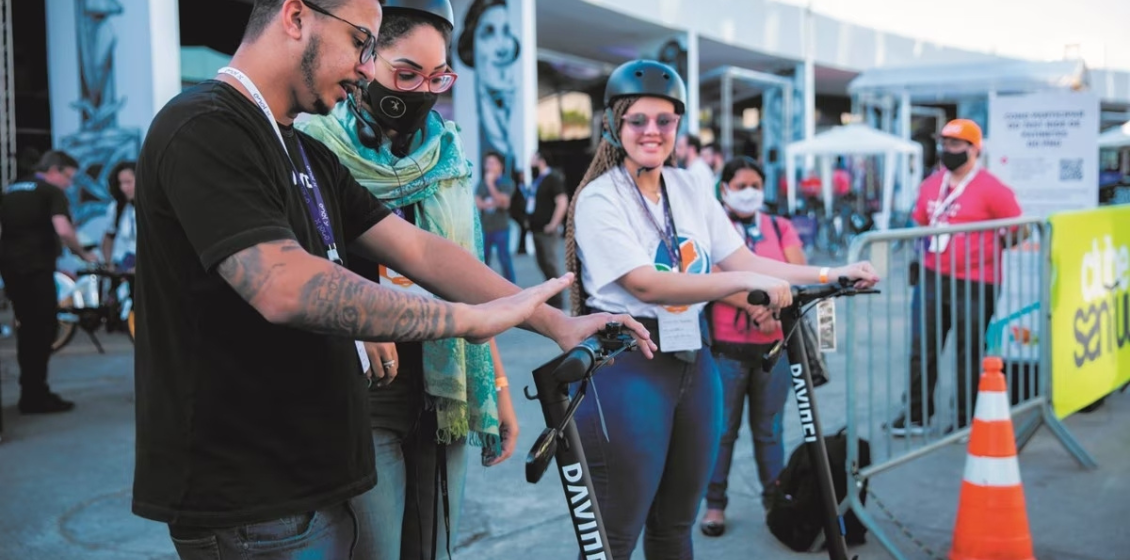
803 294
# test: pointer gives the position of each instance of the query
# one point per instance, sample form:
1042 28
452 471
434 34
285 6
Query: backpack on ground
795 516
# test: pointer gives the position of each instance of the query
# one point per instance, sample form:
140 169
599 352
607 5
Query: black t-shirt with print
238 420
28 242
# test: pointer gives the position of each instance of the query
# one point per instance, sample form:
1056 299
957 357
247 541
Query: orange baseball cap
963 129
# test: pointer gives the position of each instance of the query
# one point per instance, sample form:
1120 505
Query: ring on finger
389 364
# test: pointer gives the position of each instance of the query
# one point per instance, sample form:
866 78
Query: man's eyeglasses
408 79
368 46
665 122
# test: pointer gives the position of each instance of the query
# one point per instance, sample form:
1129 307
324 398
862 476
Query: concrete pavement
65 479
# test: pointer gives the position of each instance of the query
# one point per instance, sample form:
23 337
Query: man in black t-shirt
545 207
252 421
35 221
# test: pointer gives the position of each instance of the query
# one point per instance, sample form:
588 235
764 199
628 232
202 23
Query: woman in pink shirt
742 335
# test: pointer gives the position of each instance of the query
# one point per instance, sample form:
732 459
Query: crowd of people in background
273 249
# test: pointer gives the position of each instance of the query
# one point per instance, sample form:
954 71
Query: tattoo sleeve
332 300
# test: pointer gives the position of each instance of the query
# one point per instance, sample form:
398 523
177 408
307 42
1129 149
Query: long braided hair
607 158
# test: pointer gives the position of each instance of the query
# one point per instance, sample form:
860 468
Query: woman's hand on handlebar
780 294
576 329
862 272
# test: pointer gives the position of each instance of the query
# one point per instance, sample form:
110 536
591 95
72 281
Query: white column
692 82
128 54
528 119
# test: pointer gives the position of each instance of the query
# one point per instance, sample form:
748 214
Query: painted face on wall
496 49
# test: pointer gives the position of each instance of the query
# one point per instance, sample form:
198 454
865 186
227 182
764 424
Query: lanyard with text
946 198
668 232
311 194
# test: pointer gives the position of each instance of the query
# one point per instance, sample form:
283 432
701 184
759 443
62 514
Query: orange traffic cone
992 523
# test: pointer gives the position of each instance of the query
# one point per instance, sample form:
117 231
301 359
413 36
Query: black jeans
545 249
35 304
944 298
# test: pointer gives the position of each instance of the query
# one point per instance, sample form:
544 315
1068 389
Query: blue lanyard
316 206
669 234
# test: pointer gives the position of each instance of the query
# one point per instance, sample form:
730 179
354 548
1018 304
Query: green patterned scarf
458 376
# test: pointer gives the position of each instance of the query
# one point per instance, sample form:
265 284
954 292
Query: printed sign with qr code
1071 169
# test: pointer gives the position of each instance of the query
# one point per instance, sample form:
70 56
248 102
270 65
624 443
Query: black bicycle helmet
646 78
437 8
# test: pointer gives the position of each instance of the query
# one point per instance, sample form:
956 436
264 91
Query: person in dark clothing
36 222
253 434
546 205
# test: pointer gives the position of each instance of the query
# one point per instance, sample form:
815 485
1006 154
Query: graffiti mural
100 143
489 44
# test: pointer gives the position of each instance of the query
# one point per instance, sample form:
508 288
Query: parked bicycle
804 391
560 439
94 298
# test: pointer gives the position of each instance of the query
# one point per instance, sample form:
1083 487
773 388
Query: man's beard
309 60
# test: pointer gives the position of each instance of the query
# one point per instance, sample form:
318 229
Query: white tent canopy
858 140
1117 137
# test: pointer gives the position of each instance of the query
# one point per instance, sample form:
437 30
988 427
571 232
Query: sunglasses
368 46
665 122
408 79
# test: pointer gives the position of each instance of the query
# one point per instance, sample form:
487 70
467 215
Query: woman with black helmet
430 399
642 238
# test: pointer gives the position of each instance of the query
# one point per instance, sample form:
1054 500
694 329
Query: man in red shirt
958 268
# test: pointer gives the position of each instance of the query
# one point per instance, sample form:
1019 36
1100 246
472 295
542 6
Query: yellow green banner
1090 305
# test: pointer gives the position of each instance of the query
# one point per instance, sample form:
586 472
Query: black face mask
953 161
402 111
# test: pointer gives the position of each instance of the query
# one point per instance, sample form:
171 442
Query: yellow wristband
501 383
824 275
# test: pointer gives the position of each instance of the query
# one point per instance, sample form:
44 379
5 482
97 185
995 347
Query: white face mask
745 201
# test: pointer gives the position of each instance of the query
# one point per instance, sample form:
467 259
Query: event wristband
824 275
501 383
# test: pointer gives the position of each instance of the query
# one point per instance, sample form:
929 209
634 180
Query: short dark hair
739 163
713 146
495 155
694 142
57 159
396 24
548 159
265 10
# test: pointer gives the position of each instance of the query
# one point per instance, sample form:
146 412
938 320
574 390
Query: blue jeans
664 419
767 394
326 534
501 240
393 526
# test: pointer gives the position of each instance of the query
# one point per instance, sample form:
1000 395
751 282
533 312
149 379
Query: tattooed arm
289 286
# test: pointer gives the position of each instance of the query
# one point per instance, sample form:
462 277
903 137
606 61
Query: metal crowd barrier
1006 319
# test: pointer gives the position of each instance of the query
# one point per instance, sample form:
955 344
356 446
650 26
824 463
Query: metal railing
979 291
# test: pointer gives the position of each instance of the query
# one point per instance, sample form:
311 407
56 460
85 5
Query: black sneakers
47 404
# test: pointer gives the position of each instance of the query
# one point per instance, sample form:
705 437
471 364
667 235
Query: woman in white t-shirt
119 244
642 239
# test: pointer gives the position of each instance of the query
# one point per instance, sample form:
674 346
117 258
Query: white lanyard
945 203
258 98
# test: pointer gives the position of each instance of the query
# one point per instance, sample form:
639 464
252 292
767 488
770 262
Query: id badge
938 243
826 325
394 279
365 363
679 331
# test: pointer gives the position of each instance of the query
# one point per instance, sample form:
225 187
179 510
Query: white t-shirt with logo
614 236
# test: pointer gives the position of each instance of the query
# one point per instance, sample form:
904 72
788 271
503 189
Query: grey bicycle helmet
646 78
437 8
